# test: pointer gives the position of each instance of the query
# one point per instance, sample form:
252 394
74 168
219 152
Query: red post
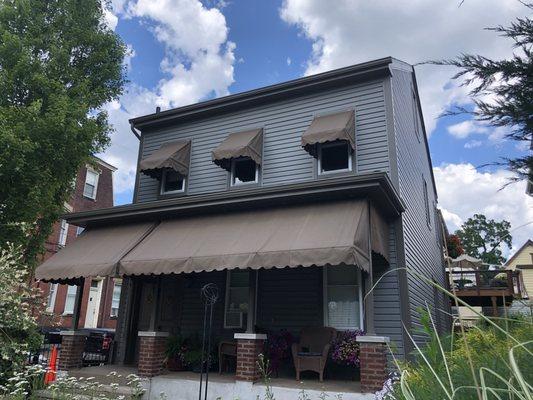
249 346
373 362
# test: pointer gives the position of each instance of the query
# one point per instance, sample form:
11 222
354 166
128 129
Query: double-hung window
63 233
115 301
244 170
334 157
172 182
342 297
237 296
70 299
50 303
91 184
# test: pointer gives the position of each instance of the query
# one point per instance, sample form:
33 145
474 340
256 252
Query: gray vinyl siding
284 160
387 312
290 299
423 253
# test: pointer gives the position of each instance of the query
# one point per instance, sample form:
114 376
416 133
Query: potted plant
175 353
345 349
278 349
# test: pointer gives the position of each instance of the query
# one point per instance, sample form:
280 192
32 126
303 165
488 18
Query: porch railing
479 282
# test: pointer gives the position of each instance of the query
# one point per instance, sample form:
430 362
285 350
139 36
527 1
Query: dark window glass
244 170
334 157
172 182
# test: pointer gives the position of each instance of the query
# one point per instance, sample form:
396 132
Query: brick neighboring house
93 190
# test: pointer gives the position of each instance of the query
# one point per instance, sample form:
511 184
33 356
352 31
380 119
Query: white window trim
232 180
52 299
95 183
163 181
336 171
63 233
70 312
226 303
325 299
115 283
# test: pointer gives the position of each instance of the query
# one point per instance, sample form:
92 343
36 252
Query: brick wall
248 351
78 202
70 356
373 357
151 355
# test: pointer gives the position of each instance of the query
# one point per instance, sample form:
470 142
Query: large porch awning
94 253
305 235
317 234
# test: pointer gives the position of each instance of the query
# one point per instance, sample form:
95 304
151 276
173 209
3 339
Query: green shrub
493 360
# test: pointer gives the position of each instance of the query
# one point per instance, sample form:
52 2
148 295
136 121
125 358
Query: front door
93 305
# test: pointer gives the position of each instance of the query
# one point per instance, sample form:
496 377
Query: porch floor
177 384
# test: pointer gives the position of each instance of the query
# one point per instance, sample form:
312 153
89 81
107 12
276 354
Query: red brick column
249 346
71 354
152 346
373 356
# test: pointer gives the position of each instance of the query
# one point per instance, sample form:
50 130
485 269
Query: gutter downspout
138 136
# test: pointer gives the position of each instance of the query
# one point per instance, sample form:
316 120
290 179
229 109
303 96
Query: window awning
96 252
305 235
239 144
329 128
173 155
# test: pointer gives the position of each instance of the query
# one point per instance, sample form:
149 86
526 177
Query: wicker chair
311 354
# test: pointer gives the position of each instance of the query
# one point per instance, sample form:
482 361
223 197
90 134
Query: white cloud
464 191
289 61
464 129
472 144
198 63
415 31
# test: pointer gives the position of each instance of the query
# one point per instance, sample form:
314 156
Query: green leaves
59 64
482 238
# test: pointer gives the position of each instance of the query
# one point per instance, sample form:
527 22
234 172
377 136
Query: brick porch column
71 354
373 357
152 346
249 346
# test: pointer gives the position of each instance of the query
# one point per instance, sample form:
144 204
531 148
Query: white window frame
63 233
52 294
336 171
163 181
226 304
325 299
116 282
69 293
96 179
232 180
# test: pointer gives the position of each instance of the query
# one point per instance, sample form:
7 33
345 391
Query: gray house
295 200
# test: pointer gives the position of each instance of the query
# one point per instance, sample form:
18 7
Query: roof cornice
342 76
375 186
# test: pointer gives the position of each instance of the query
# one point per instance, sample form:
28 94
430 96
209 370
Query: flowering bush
18 328
345 349
279 345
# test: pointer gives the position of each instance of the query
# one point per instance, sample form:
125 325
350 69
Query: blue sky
183 51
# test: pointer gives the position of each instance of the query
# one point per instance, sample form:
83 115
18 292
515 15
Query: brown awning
96 252
239 144
173 155
305 235
329 128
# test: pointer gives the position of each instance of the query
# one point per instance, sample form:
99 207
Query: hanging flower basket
345 349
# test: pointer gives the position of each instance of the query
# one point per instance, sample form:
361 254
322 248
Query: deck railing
509 282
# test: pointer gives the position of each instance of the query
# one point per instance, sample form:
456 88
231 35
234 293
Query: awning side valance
306 235
329 128
174 155
247 143
96 252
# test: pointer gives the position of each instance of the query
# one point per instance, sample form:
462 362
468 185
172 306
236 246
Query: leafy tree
483 238
59 64
502 91
453 243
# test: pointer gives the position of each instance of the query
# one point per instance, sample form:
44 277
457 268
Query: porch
185 385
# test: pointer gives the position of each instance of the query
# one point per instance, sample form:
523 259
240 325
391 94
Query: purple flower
345 349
